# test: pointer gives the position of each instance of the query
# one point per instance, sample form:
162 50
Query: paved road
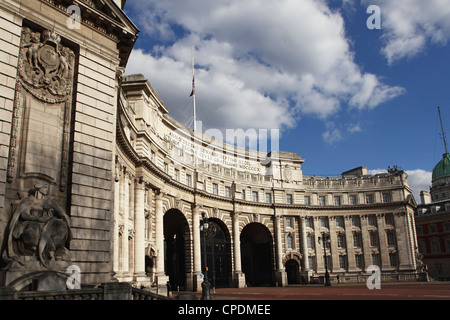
408 291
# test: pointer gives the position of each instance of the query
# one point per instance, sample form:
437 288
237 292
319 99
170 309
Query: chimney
425 197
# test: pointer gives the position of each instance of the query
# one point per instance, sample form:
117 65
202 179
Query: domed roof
443 167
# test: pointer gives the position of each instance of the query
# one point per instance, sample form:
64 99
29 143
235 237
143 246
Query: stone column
161 277
405 255
349 244
238 274
365 234
139 227
197 247
280 273
125 215
383 242
334 254
306 272
116 243
319 247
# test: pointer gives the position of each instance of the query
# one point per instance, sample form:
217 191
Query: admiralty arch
266 218
119 188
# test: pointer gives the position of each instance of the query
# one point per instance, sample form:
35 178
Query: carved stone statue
38 227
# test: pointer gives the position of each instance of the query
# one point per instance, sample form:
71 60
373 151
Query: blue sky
342 95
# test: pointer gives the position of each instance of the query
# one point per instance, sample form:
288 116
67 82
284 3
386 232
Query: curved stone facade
267 215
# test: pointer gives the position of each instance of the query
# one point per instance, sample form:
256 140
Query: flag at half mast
193 87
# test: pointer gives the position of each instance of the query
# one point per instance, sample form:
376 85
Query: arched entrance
176 248
292 271
218 254
257 255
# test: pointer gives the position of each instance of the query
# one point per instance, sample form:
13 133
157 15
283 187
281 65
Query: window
288 223
268 198
227 192
342 262
308 222
166 168
321 200
341 241
324 222
289 199
433 228
289 241
352 199
369 198
373 239
355 221
215 188
359 261
307 200
188 180
393 259
243 194
310 242
357 240
311 263
376 259
389 219
255 196
337 200
419 230
340 222
435 247
390 238
176 174
372 220
447 226
386 197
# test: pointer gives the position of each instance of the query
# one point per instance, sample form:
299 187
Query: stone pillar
406 258
139 227
239 276
197 247
319 247
116 243
280 273
305 272
383 243
125 233
161 278
349 244
334 254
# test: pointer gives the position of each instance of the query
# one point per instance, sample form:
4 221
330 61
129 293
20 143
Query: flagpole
193 91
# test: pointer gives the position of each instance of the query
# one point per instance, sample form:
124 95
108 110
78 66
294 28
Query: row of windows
432 228
435 246
352 199
340 222
341 240
359 261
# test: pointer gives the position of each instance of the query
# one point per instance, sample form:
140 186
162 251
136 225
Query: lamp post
324 240
206 286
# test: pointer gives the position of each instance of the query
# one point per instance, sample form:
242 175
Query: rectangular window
340 222
393 259
321 200
352 199
390 238
386 197
357 240
308 222
389 219
311 263
324 222
243 194
188 180
373 239
372 220
289 199
341 241
376 259
268 198
359 261
369 198
337 200
255 196
227 192
288 223
176 174
215 189
310 241
355 221
289 242
342 262
307 200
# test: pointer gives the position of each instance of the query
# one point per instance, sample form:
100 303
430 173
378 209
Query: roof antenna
442 128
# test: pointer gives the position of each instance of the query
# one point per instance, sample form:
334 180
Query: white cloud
260 63
419 180
408 26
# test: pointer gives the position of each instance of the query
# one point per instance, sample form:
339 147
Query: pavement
389 291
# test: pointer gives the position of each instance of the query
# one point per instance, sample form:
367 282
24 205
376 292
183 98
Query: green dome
443 167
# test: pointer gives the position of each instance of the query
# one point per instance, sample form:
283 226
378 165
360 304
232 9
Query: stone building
433 222
96 174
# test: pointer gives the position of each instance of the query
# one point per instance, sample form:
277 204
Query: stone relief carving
38 227
46 71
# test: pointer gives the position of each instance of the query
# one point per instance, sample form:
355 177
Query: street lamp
206 286
324 240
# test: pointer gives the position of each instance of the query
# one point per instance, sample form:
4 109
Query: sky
346 84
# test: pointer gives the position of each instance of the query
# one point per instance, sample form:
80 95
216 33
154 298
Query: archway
218 253
176 248
292 271
257 255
